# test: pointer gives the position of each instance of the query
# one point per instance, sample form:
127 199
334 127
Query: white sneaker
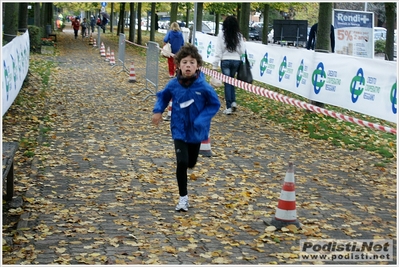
227 111
234 106
183 204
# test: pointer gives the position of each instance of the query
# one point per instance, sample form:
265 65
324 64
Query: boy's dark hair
188 50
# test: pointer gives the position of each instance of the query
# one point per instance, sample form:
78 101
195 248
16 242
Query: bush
35 38
379 46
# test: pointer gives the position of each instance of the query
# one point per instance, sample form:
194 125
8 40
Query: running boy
195 103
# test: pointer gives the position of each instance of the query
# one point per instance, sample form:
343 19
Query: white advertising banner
364 85
354 33
15 65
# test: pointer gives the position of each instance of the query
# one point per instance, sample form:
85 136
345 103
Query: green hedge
35 38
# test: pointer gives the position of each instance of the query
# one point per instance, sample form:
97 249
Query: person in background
175 37
156 22
92 23
312 38
76 26
84 28
229 48
195 103
104 23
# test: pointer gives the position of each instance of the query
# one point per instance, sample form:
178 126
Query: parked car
380 33
255 34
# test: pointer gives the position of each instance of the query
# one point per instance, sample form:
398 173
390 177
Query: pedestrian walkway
105 188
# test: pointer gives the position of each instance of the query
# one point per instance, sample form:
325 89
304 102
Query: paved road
104 185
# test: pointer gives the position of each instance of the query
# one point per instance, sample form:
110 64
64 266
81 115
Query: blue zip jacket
176 40
192 108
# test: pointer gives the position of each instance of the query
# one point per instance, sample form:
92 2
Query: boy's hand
156 118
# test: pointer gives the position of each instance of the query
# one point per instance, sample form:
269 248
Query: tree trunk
390 12
23 17
200 8
153 21
132 26
37 21
10 24
121 23
111 24
173 12
265 30
244 19
323 43
217 18
139 23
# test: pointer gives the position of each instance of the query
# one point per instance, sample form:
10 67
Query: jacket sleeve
202 122
218 51
166 38
163 98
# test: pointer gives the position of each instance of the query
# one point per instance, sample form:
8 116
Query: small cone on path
286 207
94 43
102 50
108 54
91 40
132 74
169 115
112 59
205 149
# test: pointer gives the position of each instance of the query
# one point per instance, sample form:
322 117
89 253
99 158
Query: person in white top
228 51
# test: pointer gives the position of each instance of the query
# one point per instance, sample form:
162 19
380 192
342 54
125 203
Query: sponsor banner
363 85
354 33
336 250
15 65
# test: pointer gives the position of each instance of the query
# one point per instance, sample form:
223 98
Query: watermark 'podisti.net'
346 250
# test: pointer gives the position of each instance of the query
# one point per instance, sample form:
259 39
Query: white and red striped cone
94 43
91 40
205 149
108 54
286 207
169 116
112 59
102 50
132 74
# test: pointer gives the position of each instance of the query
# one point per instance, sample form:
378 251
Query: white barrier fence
15 66
363 85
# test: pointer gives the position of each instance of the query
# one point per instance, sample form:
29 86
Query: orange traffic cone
94 43
286 207
168 117
132 74
108 54
112 59
102 50
205 149
91 40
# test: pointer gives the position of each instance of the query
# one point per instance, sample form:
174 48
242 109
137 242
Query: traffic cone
102 50
91 40
205 149
132 74
108 54
286 207
169 116
112 59
94 43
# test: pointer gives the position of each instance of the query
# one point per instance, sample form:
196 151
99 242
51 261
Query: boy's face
188 66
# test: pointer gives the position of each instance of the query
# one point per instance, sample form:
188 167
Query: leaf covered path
103 186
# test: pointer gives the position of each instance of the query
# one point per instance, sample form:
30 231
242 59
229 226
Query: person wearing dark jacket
195 103
175 37
312 38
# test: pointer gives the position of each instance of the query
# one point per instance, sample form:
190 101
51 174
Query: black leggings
186 157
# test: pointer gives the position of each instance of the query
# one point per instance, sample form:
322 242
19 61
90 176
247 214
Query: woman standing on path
176 40
195 103
229 48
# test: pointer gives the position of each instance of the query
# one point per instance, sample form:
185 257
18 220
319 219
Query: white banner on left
15 66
